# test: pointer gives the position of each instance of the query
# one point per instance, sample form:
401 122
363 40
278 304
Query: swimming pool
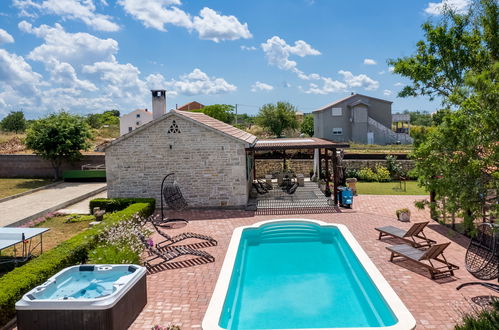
85 297
301 274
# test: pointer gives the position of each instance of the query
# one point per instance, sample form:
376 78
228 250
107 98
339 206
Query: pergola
326 150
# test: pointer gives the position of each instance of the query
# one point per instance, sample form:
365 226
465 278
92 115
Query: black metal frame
172 205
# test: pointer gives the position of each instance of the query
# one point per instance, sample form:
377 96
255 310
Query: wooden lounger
425 258
416 231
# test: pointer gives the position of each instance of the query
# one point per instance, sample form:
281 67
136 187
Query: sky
87 56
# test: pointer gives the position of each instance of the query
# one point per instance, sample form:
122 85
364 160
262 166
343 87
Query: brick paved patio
181 296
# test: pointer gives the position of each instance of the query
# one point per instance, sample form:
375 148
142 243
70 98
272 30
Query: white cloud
83 10
156 13
387 92
398 84
74 48
278 52
250 48
437 8
5 37
209 25
65 75
215 27
197 82
391 68
18 82
260 86
382 72
369 61
122 80
329 86
360 80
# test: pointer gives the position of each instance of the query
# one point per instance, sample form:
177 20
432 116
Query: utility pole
236 113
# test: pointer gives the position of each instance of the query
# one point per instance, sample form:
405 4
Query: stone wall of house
33 166
210 168
303 166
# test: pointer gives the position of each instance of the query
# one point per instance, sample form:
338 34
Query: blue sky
91 55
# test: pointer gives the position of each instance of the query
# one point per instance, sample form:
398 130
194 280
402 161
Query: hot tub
85 297
301 274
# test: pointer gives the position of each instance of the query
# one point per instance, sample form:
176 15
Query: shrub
70 252
118 204
366 174
352 173
484 319
393 167
120 243
382 174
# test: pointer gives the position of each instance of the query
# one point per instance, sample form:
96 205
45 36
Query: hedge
118 204
70 252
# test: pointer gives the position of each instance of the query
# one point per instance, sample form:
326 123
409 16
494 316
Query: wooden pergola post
254 164
320 163
284 160
326 164
335 174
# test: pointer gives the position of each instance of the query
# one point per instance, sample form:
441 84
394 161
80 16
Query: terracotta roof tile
218 125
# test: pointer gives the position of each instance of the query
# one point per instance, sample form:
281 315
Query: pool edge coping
405 320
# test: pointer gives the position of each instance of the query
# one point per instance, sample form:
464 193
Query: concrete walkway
20 210
82 207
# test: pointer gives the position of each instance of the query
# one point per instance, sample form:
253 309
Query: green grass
375 148
9 187
389 188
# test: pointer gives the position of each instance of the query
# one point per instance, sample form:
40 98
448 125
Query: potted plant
403 215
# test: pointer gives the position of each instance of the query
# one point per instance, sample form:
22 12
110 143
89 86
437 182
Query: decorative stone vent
174 128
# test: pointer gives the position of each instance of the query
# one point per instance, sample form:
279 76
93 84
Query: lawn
9 187
60 230
389 188
383 149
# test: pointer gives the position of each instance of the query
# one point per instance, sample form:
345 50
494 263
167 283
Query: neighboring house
209 158
191 106
134 119
358 118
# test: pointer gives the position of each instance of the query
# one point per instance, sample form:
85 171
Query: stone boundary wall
303 166
33 166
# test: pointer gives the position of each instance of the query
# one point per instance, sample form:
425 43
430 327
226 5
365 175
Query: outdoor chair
425 258
416 231
482 256
172 196
169 241
167 256
259 188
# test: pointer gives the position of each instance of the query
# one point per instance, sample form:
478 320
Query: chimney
158 102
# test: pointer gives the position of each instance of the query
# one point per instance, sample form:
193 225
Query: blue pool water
300 275
84 284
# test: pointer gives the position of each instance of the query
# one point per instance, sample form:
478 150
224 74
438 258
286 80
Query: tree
59 137
14 122
458 159
307 126
109 117
277 117
222 112
453 47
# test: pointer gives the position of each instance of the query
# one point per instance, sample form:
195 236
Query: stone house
360 119
210 159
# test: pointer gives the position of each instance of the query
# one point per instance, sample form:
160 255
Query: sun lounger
171 240
425 258
167 256
416 231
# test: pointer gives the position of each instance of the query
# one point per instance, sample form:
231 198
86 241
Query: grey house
358 118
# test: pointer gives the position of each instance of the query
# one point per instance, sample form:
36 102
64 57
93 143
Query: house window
130 129
137 123
336 111
337 131
138 115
